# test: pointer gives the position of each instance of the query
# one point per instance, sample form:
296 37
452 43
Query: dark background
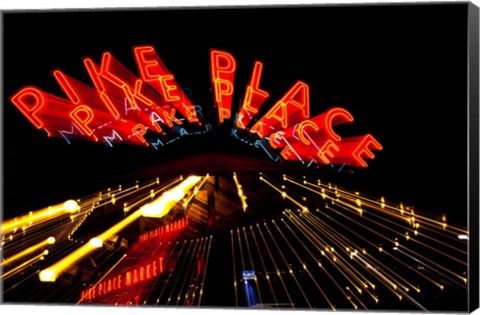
401 70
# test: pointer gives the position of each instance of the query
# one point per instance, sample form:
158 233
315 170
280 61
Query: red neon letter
29 101
320 130
364 149
168 86
290 109
353 150
147 62
156 74
254 98
79 93
83 115
336 116
325 150
160 262
139 131
304 137
222 69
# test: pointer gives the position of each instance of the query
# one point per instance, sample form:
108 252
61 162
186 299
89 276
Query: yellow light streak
39 216
319 243
276 267
401 235
334 235
195 191
264 266
105 275
205 271
426 220
27 251
201 256
234 269
241 195
252 266
194 256
161 206
305 266
157 208
22 266
287 265
139 202
383 251
241 249
171 273
284 194
181 267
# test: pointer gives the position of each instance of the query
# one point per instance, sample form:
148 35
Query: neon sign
122 107
164 230
140 273
223 67
254 98
146 269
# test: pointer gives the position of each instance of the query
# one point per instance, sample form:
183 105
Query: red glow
163 230
336 116
317 129
144 261
350 151
156 74
328 149
290 109
112 102
80 93
139 131
354 150
30 101
83 115
142 272
147 62
254 98
122 108
302 133
321 155
53 114
123 92
222 70
96 121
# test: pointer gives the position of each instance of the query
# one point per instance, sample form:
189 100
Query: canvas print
267 157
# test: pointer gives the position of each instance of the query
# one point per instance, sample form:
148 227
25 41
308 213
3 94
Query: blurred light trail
274 296
241 195
28 251
105 275
24 265
169 199
433 269
252 266
39 216
276 267
403 293
157 208
189 252
195 191
283 193
205 271
287 265
234 269
171 272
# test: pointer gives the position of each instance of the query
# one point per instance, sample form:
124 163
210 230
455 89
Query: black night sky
401 70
